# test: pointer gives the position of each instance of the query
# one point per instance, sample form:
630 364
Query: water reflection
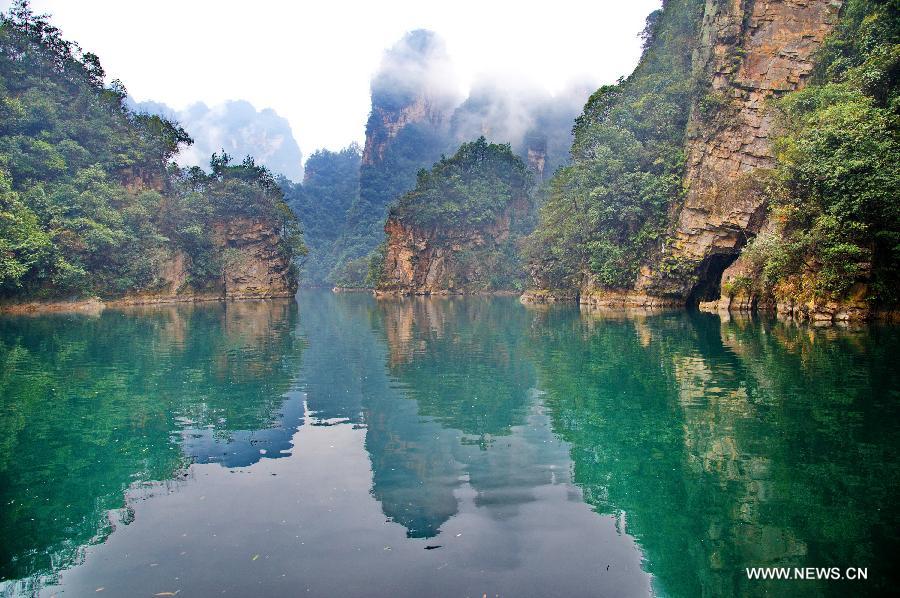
530 451
463 383
94 404
731 444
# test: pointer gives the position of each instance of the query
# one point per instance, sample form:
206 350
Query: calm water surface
343 446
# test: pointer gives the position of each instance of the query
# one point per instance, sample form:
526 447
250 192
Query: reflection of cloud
239 129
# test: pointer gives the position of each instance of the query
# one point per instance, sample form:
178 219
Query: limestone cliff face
750 51
254 264
537 161
253 268
384 125
422 261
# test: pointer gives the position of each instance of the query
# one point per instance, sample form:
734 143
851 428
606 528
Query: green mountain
90 203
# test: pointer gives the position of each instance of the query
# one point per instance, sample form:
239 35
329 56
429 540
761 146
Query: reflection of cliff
461 385
343 363
764 450
461 360
91 406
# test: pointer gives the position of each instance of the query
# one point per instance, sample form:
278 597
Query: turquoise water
340 445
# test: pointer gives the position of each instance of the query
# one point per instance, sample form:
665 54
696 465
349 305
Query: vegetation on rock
469 189
607 209
330 186
90 203
835 193
468 214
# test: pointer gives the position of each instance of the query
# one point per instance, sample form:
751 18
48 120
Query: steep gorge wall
750 51
254 268
423 261
386 123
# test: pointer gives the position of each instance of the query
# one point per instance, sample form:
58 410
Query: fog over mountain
238 128
417 65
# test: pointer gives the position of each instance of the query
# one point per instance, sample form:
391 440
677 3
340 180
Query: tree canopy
90 203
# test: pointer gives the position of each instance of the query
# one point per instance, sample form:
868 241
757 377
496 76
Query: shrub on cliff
89 201
468 190
837 199
475 207
606 211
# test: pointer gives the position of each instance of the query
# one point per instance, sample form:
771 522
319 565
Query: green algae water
344 446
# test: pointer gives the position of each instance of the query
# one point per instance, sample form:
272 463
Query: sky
312 62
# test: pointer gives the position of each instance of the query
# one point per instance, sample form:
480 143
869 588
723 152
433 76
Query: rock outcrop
254 267
385 123
749 52
420 261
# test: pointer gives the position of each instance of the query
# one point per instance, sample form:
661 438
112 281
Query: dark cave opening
709 283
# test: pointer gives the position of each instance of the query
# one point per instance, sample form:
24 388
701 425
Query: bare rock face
422 261
254 265
537 159
750 51
385 124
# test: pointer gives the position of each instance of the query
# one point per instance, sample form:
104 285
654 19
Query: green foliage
376 265
89 204
22 242
469 189
353 273
837 203
606 211
386 177
229 192
330 186
466 193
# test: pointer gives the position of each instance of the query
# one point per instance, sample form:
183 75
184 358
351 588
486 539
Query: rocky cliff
746 55
425 261
253 267
385 123
459 230
749 52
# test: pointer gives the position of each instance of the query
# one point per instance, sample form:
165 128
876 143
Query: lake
341 445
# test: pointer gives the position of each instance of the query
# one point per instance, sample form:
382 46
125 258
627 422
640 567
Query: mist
504 107
238 128
418 65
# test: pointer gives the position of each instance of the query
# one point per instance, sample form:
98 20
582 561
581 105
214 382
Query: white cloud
312 61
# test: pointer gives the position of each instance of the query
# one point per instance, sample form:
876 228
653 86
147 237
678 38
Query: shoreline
94 305
816 315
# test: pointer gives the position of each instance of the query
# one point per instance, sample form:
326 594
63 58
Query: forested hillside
330 186
607 209
752 155
460 228
90 203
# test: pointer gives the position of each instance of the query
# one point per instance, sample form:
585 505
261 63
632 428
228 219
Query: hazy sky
312 61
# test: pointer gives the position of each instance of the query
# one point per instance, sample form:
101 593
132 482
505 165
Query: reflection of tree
90 405
461 360
720 457
824 409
